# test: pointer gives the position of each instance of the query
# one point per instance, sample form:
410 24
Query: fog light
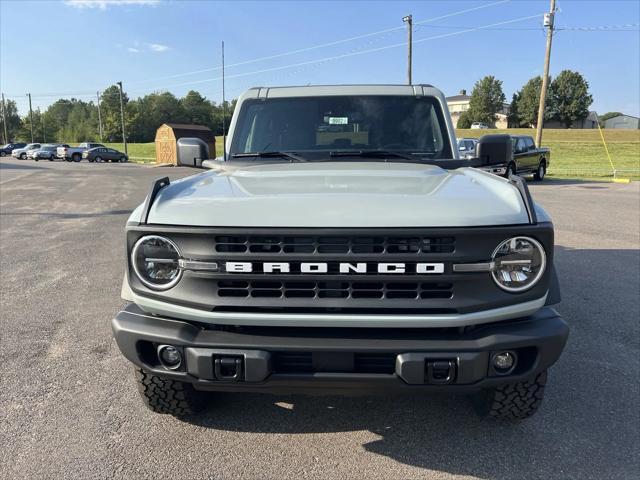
170 356
504 362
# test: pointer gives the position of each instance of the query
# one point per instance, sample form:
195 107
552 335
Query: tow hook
441 372
228 368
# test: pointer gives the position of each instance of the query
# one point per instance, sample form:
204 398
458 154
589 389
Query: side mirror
192 152
494 149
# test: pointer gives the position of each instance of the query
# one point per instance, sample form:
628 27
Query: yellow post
606 149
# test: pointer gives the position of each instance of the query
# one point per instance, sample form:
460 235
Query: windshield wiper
372 154
271 154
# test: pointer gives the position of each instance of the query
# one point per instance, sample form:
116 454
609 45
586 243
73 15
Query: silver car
21 153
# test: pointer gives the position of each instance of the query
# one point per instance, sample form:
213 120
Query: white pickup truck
75 153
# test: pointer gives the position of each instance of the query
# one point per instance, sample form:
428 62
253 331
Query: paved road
69 407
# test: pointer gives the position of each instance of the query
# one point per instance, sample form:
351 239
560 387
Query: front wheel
23 156
541 172
513 401
162 395
98 159
76 157
3 154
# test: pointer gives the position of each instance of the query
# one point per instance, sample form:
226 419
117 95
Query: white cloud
133 50
156 47
103 4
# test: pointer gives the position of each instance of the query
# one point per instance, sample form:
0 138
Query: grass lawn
574 153
580 153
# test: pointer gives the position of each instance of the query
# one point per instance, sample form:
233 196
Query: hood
338 194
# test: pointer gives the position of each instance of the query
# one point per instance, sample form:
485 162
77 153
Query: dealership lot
69 405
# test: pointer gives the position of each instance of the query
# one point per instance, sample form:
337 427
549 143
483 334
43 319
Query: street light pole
548 22
4 120
124 137
99 117
409 21
30 116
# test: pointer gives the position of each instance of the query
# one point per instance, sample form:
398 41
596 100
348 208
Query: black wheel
515 401
511 170
23 156
3 154
51 158
541 172
123 159
36 159
76 157
98 159
90 159
161 395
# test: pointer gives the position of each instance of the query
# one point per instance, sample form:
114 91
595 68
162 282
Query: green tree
513 119
197 109
13 121
464 121
110 111
487 99
569 93
529 101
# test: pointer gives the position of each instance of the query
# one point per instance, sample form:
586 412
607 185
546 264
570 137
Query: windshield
407 124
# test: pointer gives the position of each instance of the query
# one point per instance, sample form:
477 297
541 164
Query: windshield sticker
338 120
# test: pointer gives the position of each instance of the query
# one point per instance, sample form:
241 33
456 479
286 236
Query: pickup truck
341 246
527 158
75 153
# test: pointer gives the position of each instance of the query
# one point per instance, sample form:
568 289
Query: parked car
10 147
75 153
479 126
21 153
467 147
527 158
104 154
47 152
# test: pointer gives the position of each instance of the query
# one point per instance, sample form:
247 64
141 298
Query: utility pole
30 116
124 137
409 21
4 120
99 117
548 22
44 132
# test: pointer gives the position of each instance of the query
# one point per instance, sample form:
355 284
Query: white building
460 103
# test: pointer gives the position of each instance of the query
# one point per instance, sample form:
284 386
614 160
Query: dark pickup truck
527 158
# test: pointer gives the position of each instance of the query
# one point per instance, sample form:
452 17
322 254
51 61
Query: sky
73 48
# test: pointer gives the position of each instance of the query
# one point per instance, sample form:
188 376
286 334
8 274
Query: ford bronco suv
341 246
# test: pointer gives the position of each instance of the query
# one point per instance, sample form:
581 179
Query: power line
323 45
351 54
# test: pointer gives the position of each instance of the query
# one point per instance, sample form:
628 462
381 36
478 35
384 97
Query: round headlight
519 263
155 261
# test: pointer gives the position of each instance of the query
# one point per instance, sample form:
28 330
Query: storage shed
622 121
167 137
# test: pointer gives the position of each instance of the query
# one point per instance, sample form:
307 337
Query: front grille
303 362
333 289
325 244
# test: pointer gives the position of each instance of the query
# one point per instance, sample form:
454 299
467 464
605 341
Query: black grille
333 289
324 244
303 362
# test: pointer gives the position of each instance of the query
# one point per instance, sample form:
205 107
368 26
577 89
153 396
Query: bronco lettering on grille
328 267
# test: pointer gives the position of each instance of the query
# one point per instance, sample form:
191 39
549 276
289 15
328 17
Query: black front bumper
350 360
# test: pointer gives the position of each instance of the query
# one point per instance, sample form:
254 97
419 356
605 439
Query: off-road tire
515 401
540 173
162 395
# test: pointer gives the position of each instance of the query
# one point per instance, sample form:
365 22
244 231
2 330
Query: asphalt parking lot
69 406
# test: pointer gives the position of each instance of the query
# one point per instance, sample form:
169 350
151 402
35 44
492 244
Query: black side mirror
495 149
192 152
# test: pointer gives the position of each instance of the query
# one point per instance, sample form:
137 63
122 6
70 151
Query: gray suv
341 246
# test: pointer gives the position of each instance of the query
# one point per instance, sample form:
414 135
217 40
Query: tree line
76 120
568 101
